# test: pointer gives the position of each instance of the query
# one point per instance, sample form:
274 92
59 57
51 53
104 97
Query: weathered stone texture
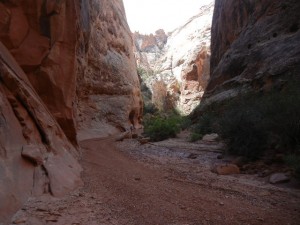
255 46
67 72
180 60
108 88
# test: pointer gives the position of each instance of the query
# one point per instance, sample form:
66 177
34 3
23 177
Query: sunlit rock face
255 46
149 48
108 89
182 63
67 71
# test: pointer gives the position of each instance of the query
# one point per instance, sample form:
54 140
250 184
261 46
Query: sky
147 16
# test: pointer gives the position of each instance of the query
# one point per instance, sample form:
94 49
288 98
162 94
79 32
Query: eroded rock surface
36 157
108 88
41 36
255 46
66 73
149 48
181 64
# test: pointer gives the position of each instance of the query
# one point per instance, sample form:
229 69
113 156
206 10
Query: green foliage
205 124
253 123
150 108
145 73
195 137
293 161
240 127
161 127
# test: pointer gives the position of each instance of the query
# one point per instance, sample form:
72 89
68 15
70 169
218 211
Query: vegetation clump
163 126
255 123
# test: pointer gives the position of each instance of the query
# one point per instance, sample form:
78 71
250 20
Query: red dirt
126 183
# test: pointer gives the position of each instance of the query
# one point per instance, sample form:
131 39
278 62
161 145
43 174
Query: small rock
239 161
51 219
225 169
220 157
277 178
260 219
124 135
42 209
264 193
144 140
182 207
93 196
135 136
264 173
33 154
20 220
210 137
192 156
221 203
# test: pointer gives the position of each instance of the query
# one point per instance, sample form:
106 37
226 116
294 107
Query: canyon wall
178 60
66 73
108 88
149 48
255 46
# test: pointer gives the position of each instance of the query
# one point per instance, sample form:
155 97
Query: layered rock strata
181 62
66 73
255 46
108 88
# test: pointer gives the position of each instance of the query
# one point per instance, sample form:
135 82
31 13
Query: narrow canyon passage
139 193
72 71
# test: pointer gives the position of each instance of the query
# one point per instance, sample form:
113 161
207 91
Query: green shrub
195 137
255 122
293 161
205 125
160 127
239 127
150 108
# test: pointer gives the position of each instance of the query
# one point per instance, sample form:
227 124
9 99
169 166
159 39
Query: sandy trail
145 195
126 183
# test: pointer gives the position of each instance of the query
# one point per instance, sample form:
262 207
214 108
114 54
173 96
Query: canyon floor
163 183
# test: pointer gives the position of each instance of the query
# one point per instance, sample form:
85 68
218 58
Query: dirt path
126 183
143 195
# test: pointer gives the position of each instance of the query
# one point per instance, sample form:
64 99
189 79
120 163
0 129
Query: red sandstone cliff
66 72
108 90
255 45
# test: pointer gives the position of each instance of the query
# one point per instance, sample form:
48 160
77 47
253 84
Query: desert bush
255 122
161 127
150 108
293 161
205 124
195 137
240 127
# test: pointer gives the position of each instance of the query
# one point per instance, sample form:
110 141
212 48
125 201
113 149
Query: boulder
33 154
225 169
144 140
210 137
278 178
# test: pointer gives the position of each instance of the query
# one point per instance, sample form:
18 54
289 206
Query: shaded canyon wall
255 46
